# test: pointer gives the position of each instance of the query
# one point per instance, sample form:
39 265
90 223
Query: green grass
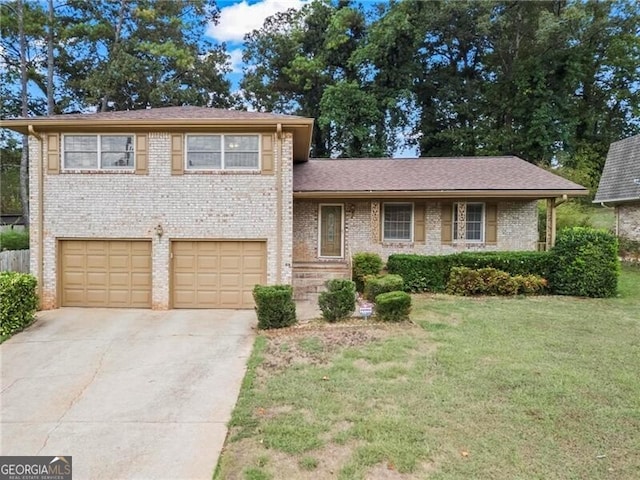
499 388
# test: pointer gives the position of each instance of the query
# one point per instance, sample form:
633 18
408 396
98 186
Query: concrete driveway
128 393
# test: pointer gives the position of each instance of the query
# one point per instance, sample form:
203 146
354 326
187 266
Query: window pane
397 222
81 151
241 160
81 143
203 143
203 160
241 143
116 151
81 160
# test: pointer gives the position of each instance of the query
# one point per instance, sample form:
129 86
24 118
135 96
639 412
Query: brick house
189 207
620 186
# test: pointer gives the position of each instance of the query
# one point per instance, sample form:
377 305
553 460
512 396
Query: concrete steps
309 278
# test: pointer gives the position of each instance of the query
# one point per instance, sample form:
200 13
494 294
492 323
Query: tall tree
135 54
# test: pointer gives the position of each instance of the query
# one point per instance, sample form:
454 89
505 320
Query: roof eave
616 200
529 194
302 127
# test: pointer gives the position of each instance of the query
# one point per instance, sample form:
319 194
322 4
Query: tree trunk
50 101
24 160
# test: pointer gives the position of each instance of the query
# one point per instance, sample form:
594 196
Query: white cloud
241 18
236 60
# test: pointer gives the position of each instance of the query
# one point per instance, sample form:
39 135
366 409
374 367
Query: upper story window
223 152
474 222
397 222
96 152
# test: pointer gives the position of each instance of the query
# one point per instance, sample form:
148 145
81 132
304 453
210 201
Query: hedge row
18 301
489 281
584 262
431 273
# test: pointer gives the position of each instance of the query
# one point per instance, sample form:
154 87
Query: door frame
342 229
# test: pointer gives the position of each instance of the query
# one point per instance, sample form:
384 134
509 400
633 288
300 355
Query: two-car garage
118 273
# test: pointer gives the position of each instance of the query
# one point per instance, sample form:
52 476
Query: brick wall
629 220
517 230
224 205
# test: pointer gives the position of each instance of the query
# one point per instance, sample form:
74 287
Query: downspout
616 213
40 277
279 203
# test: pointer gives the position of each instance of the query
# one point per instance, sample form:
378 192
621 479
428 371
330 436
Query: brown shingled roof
472 174
171 113
620 179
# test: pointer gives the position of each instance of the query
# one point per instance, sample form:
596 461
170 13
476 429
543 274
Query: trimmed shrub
275 307
14 240
490 281
365 264
339 301
393 306
374 286
423 273
585 263
18 301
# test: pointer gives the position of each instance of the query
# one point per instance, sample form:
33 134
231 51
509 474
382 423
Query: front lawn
496 388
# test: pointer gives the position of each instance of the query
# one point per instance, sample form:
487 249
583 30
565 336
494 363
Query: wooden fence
14 261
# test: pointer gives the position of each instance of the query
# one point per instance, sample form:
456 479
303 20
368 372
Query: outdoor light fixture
159 230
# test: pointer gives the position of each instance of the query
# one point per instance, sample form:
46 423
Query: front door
331 230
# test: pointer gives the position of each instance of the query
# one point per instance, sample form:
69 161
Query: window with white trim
223 152
97 152
474 222
397 224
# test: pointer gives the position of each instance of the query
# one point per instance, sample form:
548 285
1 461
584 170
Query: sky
239 17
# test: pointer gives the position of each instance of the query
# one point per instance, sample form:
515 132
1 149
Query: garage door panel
119 261
140 280
221 273
105 273
96 279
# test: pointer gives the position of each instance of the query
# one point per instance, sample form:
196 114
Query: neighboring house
620 186
188 207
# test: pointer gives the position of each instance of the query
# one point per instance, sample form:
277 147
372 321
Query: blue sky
239 17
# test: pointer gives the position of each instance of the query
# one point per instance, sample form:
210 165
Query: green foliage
423 273
585 263
393 306
18 301
365 264
490 281
570 214
339 300
14 240
375 285
275 307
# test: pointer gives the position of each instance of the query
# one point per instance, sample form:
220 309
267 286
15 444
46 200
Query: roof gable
620 180
475 175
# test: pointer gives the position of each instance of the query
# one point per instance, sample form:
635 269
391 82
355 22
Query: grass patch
501 388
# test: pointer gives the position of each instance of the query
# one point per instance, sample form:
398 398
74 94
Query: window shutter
418 223
53 154
491 223
177 155
447 223
142 158
267 154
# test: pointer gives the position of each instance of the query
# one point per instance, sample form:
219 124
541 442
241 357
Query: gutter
40 277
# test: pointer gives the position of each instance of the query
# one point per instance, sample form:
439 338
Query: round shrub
365 264
393 306
375 285
338 301
18 301
585 263
275 307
